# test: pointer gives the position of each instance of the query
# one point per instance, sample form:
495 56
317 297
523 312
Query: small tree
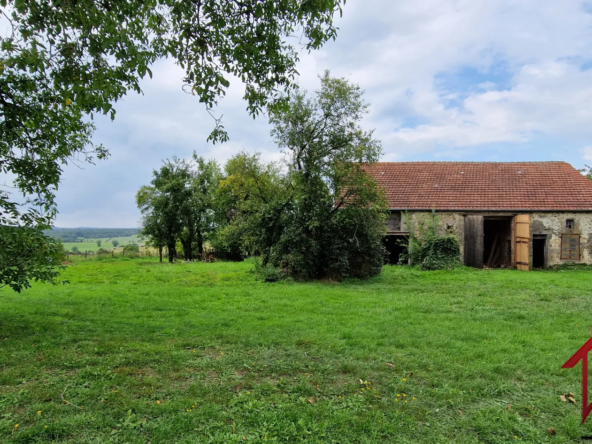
115 243
99 243
75 249
162 204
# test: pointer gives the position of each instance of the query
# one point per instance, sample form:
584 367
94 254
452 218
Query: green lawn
133 351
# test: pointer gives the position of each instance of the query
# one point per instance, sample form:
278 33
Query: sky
461 80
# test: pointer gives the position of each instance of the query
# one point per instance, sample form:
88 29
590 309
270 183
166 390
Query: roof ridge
471 161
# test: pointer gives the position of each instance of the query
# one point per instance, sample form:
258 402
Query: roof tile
495 186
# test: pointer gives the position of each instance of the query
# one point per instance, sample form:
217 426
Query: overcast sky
474 80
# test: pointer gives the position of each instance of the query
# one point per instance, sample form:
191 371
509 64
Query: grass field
133 351
91 244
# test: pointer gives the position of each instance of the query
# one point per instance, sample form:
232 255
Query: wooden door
473 242
522 236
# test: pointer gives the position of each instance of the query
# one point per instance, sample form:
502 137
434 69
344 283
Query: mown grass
133 351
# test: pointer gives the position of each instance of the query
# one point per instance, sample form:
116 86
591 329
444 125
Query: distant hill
75 234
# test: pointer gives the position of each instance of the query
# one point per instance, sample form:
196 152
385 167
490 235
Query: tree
99 242
587 171
197 211
252 201
179 205
75 249
63 61
115 243
163 202
328 218
26 254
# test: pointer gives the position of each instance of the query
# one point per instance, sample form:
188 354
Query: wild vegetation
136 351
315 215
429 248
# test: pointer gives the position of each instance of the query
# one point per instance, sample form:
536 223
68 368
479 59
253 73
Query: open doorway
395 246
497 242
539 251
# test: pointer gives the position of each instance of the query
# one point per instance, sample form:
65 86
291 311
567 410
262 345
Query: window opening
569 223
570 247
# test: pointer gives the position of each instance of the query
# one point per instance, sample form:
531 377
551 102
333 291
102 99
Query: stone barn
505 214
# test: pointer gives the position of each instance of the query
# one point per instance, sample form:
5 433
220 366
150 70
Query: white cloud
445 78
587 153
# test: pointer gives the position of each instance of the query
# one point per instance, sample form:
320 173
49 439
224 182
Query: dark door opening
395 247
497 242
538 251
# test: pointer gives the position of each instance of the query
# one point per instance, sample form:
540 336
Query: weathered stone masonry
550 225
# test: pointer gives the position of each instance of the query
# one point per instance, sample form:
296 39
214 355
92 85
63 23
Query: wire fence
142 252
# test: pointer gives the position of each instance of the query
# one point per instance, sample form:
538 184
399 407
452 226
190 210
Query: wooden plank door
522 236
473 242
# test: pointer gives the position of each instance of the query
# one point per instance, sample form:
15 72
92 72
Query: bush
430 250
268 273
131 250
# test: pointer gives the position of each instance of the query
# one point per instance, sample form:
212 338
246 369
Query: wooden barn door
473 247
522 242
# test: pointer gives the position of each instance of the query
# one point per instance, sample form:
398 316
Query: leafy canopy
63 60
178 205
320 215
27 255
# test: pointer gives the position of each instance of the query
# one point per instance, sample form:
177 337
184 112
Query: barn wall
453 222
553 225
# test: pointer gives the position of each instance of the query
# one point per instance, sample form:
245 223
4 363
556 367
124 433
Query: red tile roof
495 186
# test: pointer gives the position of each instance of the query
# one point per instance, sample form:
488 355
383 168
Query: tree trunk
172 253
188 248
160 252
199 243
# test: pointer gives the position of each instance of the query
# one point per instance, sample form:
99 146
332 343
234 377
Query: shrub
430 250
131 250
268 273
75 249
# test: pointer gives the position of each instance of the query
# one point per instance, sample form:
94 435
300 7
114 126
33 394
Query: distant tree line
316 214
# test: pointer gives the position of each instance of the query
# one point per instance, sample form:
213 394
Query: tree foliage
26 255
251 203
587 171
178 206
320 215
62 61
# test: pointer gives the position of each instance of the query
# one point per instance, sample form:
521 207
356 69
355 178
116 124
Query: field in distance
136 351
106 243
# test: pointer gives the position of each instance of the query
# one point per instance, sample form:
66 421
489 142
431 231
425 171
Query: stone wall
447 222
554 225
